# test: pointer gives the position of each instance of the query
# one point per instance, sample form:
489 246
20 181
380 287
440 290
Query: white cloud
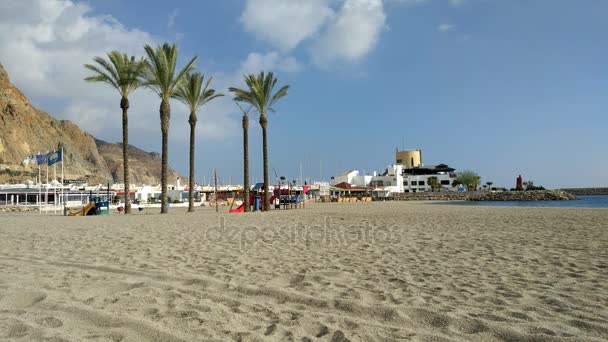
285 24
352 33
457 2
445 27
172 17
256 62
416 2
408 2
44 46
337 29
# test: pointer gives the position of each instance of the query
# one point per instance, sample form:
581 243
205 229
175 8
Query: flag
54 157
41 158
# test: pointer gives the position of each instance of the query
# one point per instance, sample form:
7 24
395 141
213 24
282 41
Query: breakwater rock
536 195
587 191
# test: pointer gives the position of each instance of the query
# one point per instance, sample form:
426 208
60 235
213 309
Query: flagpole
54 189
62 180
46 189
39 190
216 203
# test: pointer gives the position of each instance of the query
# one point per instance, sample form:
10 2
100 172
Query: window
399 161
404 183
445 182
414 183
421 183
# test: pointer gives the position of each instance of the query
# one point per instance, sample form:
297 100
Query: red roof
348 186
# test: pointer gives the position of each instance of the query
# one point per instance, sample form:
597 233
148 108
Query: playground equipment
290 197
239 209
95 207
86 210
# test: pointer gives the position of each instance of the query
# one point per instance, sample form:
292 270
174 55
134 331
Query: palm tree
190 91
245 156
434 183
489 184
160 76
260 96
122 73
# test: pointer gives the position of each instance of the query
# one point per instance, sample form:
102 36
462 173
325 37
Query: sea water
595 201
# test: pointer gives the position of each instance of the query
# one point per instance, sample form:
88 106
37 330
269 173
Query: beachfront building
391 181
408 174
416 179
351 177
409 158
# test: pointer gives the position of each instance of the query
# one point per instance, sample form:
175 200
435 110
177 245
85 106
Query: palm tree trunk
264 124
246 162
124 104
192 122
165 114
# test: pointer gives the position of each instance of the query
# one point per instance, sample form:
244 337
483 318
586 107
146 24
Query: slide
239 209
83 211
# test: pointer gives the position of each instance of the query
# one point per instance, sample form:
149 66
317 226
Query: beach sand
330 272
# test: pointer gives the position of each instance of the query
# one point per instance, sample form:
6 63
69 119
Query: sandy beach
389 271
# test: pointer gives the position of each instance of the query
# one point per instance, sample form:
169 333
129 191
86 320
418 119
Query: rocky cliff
144 166
26 131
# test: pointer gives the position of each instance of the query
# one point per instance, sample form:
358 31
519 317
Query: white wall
394 179
348 178
361 180
424 178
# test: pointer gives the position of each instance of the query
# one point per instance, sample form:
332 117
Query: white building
351 177
402 176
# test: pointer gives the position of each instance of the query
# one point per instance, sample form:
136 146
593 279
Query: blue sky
500 87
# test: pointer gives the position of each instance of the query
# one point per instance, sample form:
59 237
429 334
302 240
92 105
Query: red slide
239 209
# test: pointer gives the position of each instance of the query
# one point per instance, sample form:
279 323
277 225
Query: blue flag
54 157
41 158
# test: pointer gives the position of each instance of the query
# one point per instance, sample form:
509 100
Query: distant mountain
26 131
145 166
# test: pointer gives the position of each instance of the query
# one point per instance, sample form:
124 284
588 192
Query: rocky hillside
144 166
25 131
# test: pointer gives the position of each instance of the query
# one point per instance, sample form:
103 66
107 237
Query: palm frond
119 70
159 70
259 93
191 92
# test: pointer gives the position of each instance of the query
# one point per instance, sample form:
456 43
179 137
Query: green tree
161 76
434 183
260 96
191 92
123 74
469 179
489 184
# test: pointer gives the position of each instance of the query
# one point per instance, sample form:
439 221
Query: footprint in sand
469 326
14 329
21 300
50 322
270 329
429 318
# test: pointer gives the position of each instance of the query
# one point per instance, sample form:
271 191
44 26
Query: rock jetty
587 191
535 195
